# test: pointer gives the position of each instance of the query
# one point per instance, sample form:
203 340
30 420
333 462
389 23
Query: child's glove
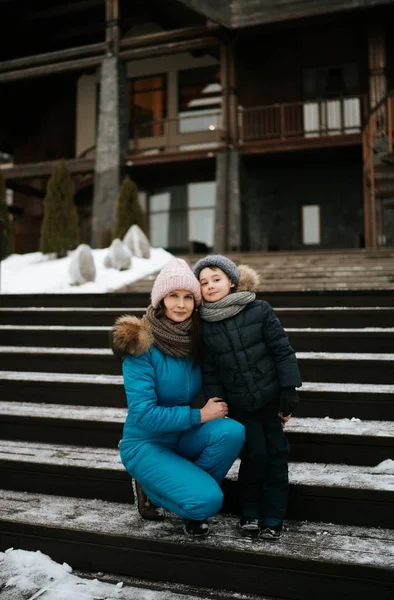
288 401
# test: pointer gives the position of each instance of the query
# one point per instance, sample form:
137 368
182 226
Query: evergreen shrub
60 229
128 210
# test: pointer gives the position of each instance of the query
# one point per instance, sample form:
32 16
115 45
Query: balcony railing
181 132
315 118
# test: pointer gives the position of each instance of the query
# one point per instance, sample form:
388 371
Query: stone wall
272 197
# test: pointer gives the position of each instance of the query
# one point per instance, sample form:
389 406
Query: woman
177 453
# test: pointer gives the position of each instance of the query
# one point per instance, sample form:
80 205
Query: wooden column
227 223
377 64
112 134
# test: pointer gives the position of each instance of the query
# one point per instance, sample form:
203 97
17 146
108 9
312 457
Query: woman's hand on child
284 419
215 408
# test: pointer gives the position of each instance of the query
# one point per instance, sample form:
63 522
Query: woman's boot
195 528
147 510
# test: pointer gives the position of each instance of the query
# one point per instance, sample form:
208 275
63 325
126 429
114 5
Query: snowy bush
82 268
119 256
136 240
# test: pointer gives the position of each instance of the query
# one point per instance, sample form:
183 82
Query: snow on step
350 388
308 387
106 328
61 377
331 426
108 352
323 309
54 328
69 309
327 425
340 330
345 356
55 350
56 411
61 455
380 477
320 542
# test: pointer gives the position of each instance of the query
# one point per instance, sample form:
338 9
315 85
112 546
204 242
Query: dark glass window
199 89
147 106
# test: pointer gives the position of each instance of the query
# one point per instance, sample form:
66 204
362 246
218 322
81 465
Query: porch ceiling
235 14
28 28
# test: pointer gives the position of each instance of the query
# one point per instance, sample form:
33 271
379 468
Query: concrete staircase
64 491
313 270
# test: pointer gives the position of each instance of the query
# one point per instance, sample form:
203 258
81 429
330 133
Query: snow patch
36 273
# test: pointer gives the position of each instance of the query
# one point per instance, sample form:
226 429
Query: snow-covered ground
37 273
28 575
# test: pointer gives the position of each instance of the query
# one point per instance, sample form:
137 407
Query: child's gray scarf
227 307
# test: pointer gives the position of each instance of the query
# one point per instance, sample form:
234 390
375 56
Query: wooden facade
297 84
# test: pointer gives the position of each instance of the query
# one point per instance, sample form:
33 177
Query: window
201 204
311 224
340 112
331 82
182 218
147 106
200 99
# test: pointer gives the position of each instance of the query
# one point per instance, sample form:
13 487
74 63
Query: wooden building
251 125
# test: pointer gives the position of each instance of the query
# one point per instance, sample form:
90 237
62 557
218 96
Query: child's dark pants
263 474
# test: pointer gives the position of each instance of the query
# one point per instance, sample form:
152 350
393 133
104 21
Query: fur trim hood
131 335
248 279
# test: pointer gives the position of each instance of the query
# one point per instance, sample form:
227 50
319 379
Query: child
249 363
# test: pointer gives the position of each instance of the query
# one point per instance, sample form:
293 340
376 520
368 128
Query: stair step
63 388
315 366
336 317
367 401
64 316
55 335
367 339
311 559
363 494
347 367
342 440
326 317
125 302
346 400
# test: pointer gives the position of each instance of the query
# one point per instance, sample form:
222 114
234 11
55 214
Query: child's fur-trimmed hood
248 279
131 335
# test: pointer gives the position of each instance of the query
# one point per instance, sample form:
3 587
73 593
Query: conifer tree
128 209
6 239
60 229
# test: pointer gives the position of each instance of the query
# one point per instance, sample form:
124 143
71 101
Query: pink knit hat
176 275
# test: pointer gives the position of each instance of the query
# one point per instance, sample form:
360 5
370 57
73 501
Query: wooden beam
169 36
170 48
52 57
44 169
71 65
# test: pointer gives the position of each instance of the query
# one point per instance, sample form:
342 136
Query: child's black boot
270 532
249 524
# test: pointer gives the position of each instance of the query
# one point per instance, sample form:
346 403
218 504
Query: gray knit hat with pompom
223 263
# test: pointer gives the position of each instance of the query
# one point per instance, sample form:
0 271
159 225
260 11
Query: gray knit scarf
170 337
227 307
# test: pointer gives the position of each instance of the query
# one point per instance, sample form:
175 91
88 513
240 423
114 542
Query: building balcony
261 129
301 125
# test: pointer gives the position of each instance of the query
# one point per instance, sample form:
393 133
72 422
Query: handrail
302 102
378 126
